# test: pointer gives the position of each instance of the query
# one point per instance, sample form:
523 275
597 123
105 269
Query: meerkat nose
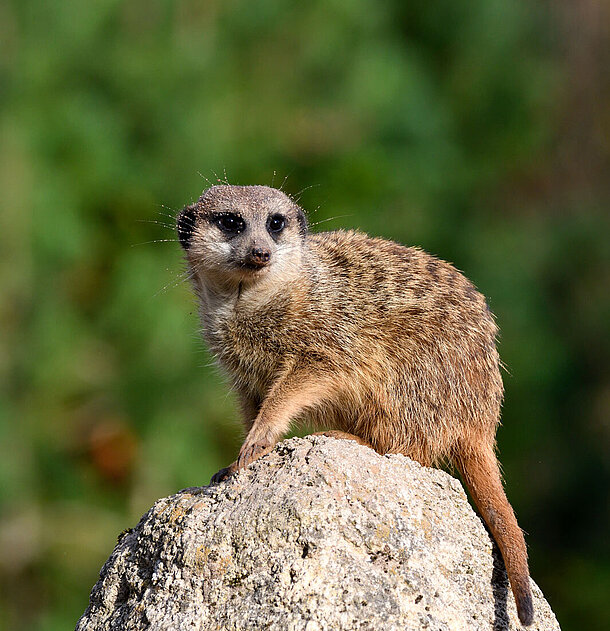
260 256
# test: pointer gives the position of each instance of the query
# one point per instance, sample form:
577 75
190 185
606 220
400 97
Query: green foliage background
453 125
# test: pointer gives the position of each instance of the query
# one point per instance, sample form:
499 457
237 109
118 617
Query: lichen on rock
321 534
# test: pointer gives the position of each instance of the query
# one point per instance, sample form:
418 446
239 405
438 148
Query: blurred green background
476 129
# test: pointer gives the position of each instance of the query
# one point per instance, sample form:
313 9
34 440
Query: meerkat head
239 234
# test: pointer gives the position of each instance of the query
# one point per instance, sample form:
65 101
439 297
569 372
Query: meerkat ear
185 224
302 221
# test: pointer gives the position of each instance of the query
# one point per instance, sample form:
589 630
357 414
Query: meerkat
383 344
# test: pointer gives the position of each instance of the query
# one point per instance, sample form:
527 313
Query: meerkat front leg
291 394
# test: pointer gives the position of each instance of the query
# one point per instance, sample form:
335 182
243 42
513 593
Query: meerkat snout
257 258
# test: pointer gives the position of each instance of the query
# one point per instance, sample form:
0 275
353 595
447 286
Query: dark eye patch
230 223
275 224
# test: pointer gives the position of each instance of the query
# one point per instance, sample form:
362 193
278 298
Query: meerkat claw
253 451
223 474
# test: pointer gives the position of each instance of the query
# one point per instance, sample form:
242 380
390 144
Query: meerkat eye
230 223
276 224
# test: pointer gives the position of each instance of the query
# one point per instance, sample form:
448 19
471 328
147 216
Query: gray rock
320 534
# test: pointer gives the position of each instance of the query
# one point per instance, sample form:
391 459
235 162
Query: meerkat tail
481 474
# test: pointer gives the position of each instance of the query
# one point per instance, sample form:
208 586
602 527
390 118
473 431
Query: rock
321 534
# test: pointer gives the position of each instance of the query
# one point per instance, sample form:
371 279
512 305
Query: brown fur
359 334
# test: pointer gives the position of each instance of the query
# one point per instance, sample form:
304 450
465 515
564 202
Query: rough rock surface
319 534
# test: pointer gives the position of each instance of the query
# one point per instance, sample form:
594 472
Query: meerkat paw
252 450
224 473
